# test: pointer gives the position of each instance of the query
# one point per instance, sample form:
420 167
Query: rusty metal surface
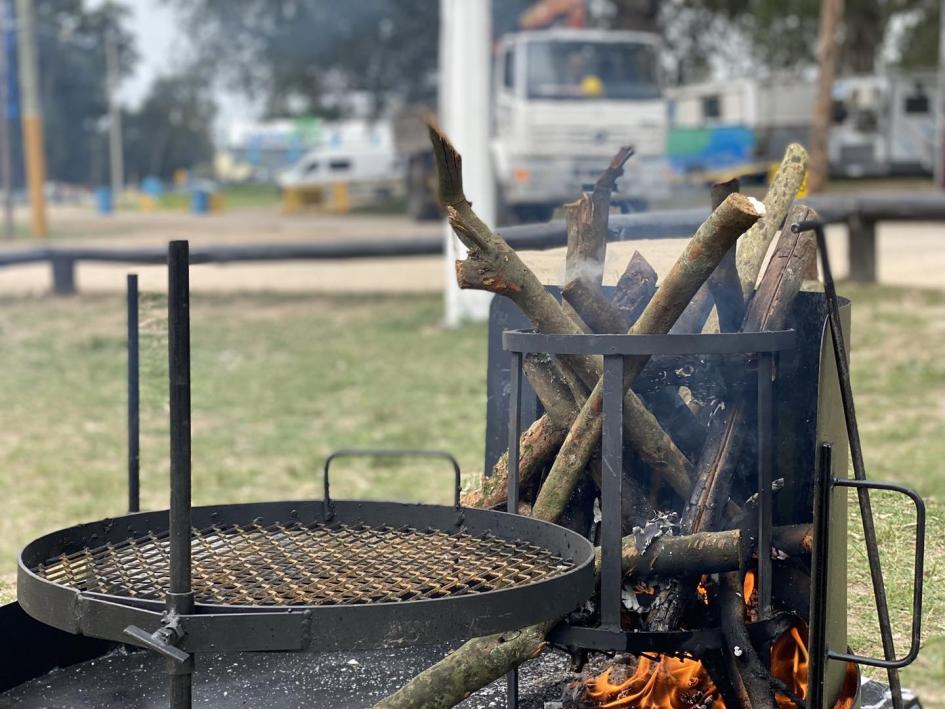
285 564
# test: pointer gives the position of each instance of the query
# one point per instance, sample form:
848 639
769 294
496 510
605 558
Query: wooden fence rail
860 213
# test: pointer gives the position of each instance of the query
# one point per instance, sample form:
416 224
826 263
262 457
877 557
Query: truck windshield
591 70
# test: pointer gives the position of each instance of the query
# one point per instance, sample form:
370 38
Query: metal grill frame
219 627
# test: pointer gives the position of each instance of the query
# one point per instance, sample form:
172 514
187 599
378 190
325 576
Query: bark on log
707 552
716 468
587 225
553 391
590 303
723 283
538 446
700 257
767 310
781 193
635 288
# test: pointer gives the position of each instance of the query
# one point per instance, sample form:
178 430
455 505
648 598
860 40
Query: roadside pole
940 108
7 112
32 117
465 70
115 155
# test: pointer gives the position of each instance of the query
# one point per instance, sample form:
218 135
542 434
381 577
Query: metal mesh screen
296 564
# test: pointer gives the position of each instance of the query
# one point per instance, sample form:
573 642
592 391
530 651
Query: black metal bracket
163 640
392 453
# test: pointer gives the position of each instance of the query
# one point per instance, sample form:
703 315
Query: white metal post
465 71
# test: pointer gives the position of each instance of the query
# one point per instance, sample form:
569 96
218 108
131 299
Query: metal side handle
919 503
389 453
160 641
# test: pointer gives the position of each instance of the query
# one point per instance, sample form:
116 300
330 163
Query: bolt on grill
317 564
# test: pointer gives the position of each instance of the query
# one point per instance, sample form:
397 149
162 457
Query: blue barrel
200 203
103 200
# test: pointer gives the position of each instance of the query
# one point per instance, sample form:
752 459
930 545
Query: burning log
748 676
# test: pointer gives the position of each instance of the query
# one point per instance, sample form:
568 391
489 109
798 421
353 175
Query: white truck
564 101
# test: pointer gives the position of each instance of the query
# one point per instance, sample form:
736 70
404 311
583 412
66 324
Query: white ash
758 205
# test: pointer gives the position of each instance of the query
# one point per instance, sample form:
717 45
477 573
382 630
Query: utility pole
115 147
32 117
939 166
7 113
830 13
465 69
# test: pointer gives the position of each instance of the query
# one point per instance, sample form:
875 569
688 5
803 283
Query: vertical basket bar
817 668
511 500
765 475
180 598
134 444
611 492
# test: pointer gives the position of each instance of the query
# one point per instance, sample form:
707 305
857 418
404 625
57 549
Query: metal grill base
277 576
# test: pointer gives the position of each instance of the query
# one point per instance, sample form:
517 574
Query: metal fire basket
310 575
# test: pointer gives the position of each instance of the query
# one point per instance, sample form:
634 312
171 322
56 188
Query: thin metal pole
611 493
515 415
115 145
180 597
856 453
823 476
134 443
31 116
765 467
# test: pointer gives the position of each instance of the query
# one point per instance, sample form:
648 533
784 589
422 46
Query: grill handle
895 663
389 453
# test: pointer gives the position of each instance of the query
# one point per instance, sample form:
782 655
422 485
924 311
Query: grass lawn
281 380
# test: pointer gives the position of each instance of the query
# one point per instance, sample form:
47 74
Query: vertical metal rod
765 475
611 492
134 443
515 414
817 668
180 597
859 466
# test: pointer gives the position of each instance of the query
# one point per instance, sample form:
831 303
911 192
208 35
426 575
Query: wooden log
707 552
483 660
723 283
716 468
746 673
754 246
590 303
538 445
699 259
767 310
696 313
553 391
635 288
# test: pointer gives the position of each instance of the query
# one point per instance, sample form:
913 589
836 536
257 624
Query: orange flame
669 683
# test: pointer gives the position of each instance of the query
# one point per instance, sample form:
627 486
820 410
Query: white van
356 152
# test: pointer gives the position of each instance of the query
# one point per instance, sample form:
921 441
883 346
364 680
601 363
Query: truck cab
565 100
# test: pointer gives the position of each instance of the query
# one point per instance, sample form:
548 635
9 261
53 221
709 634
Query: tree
172 127
304 56
71 48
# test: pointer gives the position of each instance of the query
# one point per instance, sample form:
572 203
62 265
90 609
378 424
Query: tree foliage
303 55
171 129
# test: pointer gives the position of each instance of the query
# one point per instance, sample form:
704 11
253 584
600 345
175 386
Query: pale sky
157 30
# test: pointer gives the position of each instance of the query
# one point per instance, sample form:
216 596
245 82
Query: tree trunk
831 12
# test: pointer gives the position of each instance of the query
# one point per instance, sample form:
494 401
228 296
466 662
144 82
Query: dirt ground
910 254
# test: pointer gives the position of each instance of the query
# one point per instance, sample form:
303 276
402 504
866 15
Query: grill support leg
515 415
180 597
134 455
